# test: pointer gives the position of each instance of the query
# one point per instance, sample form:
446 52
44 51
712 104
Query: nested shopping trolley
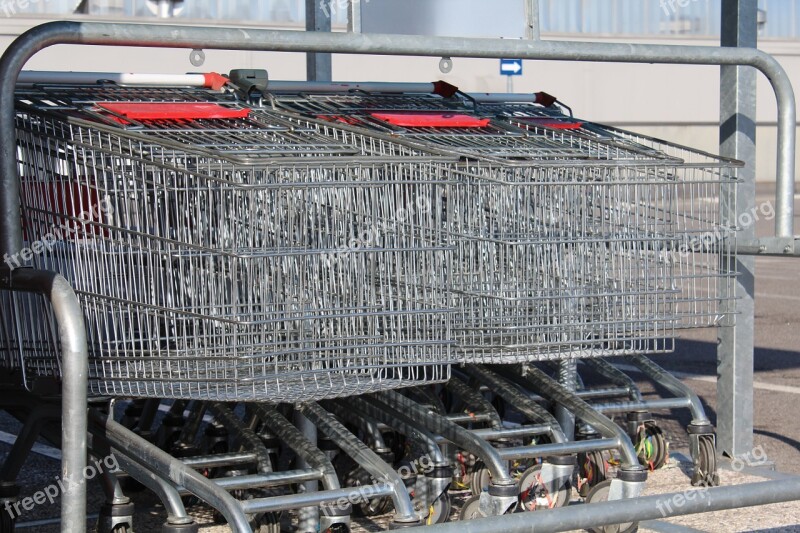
224 254
572 239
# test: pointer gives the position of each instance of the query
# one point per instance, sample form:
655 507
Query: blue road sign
510 67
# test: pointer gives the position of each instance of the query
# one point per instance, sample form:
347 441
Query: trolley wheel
471 509
599 493
534 494
479 479
371 507
592 469
267 523
651 446
707 475
439 510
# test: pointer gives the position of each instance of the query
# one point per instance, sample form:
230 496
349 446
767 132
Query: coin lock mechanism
251 82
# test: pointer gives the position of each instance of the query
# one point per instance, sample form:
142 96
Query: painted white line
712 379
778 296
41 449
779 278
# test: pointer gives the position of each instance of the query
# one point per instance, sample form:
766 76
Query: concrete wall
677 103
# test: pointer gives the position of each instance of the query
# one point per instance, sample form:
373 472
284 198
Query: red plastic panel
555 123
62 199
172 110
432 120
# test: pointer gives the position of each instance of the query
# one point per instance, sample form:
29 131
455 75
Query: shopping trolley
573 239
224 254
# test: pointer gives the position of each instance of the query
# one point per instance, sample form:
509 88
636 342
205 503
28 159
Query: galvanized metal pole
532 28
318 18
354 16
737 140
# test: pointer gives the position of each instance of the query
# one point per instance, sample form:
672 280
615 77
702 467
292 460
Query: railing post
737 140
318 18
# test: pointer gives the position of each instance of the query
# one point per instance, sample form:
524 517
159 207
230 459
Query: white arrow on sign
513 67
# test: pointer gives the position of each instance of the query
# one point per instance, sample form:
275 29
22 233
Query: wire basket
229 255
573 239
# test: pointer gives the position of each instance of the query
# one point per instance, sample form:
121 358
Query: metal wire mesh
313 249
219 275
573 239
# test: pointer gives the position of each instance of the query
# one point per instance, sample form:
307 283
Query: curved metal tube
170 36
521 402
454 433
672 384
74 370
474 400
616 376
547 386
246 437
296 441
169 495
368 459
367 422
398 421
146 454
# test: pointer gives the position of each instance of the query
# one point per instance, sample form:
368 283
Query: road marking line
712 379
777 296
41 449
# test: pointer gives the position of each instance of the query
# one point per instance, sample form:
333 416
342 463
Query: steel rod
222 459
74 378
263 481
306 499
644 405
655 507
399 421
156 460
561 448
